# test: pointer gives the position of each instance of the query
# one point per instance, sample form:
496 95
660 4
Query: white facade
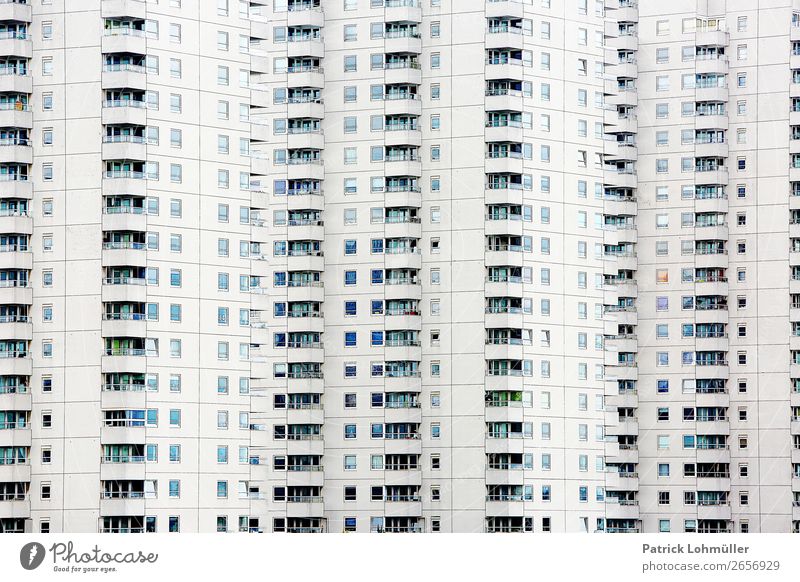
391 265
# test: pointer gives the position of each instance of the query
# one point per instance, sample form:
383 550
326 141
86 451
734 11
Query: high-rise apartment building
399 266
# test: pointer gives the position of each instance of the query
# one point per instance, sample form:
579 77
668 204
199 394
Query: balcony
499 69
402 104
305 506
124 289
115 396
403 165
19 470
122 468
511 163
118 76
18 327
304 413
124 360
403 350
622 481
402 42
405 227
122 432
14 221
14 81
403 506
305 109
711 93
402 135
305 16
124 147
125 253
15 436
511 131
305 76
123 218
16 114
305 169
123 325
16 44
16 257
305 139
305 46
124 40
124 182
402 11
621 508
404 288
124 112
136 9
504 8
16 507
306 291
402 412
122 503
